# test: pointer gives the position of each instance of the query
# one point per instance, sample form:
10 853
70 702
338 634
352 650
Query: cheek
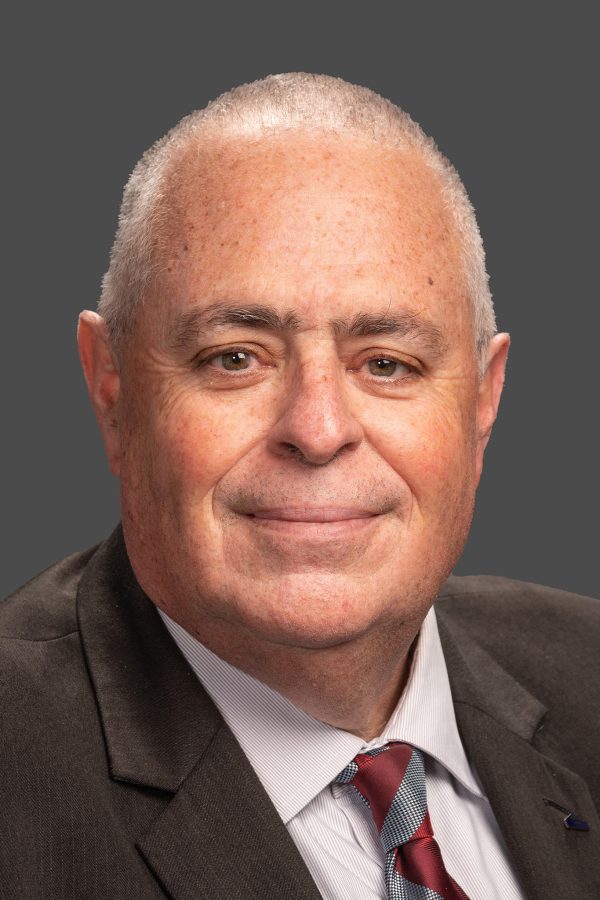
190 443
430 446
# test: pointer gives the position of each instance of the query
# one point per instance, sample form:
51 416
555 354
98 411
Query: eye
229 367
232 360
384 367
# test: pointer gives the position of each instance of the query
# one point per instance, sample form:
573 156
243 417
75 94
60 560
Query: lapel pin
571 820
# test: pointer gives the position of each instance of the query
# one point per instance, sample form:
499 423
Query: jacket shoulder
491 597
549 639
43 609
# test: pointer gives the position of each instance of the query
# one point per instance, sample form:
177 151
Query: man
246 691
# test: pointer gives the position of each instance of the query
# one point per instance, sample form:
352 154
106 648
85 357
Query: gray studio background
511 98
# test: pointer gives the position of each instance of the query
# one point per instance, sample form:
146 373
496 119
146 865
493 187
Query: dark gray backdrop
511 97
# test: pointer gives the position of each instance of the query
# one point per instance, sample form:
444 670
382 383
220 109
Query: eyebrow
191 325
406 324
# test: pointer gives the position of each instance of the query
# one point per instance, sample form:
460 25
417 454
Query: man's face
299 420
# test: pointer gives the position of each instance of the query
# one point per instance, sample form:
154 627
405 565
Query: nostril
297 453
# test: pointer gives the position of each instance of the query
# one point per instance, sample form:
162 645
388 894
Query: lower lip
314 530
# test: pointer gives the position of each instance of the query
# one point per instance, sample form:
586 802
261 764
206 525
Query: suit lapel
501 728
222 837
218 835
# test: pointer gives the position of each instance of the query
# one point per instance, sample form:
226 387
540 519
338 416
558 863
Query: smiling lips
312 514
322 520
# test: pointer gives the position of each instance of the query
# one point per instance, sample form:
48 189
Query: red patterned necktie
391 781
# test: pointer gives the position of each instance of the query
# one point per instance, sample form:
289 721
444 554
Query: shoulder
548 638
491 597
43 609
41 655
503 613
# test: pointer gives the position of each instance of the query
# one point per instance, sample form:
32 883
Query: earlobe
102 379
489 393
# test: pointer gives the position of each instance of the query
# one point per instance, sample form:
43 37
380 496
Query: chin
321 611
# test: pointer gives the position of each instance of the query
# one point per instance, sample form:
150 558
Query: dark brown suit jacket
119 778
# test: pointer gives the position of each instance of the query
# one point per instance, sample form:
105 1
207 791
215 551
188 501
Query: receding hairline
222 145
201 158
291 103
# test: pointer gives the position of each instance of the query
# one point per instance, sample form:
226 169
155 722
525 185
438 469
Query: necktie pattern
391 781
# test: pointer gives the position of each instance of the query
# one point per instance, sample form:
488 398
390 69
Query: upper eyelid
408 362
204 356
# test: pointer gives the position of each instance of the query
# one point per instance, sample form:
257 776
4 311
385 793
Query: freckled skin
328 227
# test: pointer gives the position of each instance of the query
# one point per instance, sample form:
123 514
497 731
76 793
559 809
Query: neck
354 686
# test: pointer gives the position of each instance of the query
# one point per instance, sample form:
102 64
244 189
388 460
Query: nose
316 423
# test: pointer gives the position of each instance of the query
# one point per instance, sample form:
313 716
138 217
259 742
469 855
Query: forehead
327 224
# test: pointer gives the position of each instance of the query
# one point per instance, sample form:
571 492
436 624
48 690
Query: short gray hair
292 101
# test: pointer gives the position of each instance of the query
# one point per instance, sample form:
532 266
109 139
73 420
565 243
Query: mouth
317 514
313 522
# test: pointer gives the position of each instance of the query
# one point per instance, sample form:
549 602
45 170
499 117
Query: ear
103 381
489 392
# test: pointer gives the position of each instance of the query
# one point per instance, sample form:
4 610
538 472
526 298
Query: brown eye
235 360
383 366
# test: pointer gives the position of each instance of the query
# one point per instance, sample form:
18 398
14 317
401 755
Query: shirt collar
296 756
424 716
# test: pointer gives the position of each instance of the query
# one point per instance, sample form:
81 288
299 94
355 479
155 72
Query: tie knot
391 780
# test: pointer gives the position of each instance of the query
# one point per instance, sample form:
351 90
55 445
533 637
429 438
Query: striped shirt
296 757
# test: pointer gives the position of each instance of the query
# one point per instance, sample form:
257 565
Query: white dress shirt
296 757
